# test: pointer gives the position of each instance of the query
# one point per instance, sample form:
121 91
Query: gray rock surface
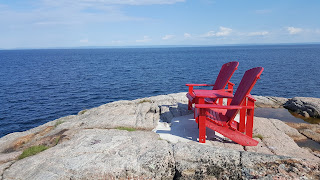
264 166
141 114
100 154
278 141
194 161
198 161
305 106
311 131
269 101
311 134
91 146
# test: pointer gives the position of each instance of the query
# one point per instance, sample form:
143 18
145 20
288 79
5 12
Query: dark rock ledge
305 106
91 146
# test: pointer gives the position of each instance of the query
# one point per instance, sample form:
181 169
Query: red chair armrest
199 84
249 96
191 86
229 90
212 93
221 107
230 83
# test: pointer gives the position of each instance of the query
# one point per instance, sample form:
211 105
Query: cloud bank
224 31
167 37
293 30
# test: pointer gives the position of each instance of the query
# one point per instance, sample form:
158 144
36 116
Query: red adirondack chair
221 82
221 118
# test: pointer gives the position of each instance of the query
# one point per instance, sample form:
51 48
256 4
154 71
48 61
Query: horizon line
159 46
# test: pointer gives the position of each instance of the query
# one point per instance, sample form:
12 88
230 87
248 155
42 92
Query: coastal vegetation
32 151
126 128
258 136
144 101
57 140
58 123
83 111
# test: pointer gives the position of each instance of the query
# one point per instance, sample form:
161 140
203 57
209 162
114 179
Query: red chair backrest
248 80
225 74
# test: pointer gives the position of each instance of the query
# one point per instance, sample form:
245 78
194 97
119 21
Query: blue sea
38 86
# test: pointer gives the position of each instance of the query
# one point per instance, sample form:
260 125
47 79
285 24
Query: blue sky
74 23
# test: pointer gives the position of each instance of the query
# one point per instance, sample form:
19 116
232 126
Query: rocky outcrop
312 131
305 106
269 101
277 137
98 144
194 161
115 154
100 154
142 114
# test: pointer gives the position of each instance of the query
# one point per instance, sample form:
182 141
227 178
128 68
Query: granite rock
311 134
305 106
278 141
194 161
198 161
100 154
269 101
91 146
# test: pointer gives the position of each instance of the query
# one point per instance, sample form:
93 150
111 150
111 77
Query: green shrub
32 151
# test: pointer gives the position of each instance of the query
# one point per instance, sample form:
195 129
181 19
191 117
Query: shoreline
102 134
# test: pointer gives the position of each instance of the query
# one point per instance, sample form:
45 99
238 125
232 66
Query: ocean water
38 86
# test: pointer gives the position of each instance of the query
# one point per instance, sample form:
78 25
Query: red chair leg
242 122
202 126
249 124
189 105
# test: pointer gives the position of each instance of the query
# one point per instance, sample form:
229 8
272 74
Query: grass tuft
57 140
126 128
58 123
83 111
32 151
258 136
145 100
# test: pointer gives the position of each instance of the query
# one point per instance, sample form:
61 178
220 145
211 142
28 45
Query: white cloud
66 12
145 39
208 34
261 33
167 37
293 30
224 31
187 35
84 40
